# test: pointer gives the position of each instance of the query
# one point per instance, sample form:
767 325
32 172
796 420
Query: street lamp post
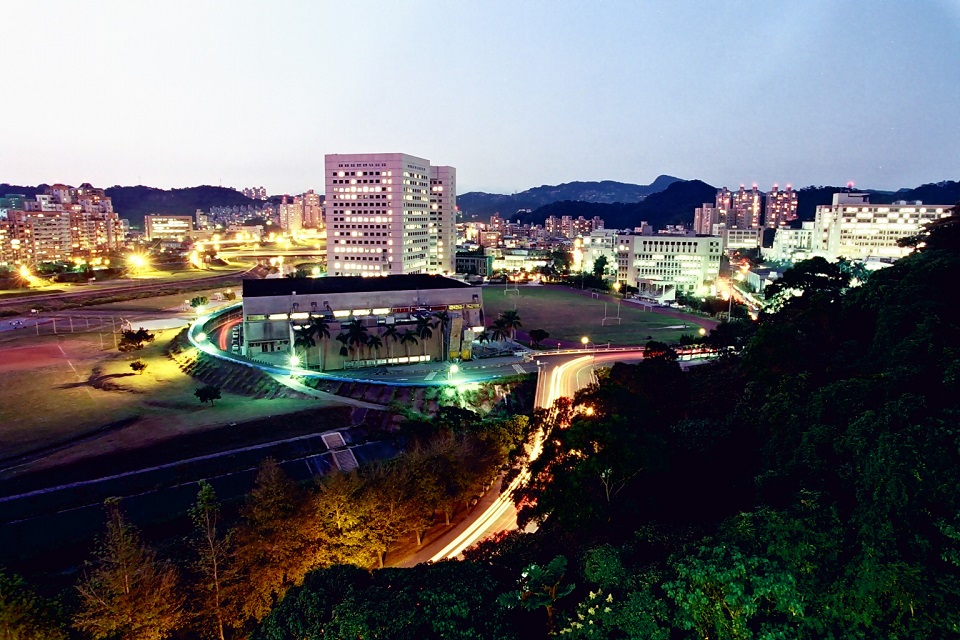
452 371
585 341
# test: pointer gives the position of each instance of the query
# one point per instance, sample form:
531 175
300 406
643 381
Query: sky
514 94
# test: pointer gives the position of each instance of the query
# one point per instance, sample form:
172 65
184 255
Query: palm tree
303 339
393 335
342 339
443 321
407 338
321 330
374 342
424 331
511 320
483 336
499 330
357 336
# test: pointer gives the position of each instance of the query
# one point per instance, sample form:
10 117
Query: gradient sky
514 94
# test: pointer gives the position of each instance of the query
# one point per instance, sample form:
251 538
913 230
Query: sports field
569 314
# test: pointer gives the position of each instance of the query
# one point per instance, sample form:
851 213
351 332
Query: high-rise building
291 214
442 224
704 217
378 213
724 206
312 210
780 208
746 208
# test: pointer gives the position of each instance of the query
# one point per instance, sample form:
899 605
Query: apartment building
780 208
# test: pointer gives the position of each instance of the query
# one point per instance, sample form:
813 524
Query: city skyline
513 96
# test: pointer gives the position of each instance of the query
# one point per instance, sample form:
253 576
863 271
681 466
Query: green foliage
23 615
134 340
207 393
537 336
540 587
599 266
139 366
198 301
126 591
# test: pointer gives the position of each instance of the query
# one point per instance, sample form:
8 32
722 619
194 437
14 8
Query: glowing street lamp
201 336
294 360
138 262
702 332
585 341
454 370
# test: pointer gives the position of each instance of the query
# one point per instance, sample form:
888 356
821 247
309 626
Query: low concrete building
354 306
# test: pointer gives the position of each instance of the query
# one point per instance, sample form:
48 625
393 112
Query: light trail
481 527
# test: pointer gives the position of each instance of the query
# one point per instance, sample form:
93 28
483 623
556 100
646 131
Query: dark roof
346 284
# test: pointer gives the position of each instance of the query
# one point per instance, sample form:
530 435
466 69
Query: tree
391 335
211 548
344 340
134 340
600 266
320 330
139 366
338 521
443 321
126 592
499 330
511 320
198 301
24 616
207 393
537 336
375 343
269 549
540 587
303 339
357 336
408 337
424 330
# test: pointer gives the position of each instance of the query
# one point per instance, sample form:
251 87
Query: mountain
480 205
673 205
135 202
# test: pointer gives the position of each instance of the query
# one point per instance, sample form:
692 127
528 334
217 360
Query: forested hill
805 489
479 205
673 205
135 202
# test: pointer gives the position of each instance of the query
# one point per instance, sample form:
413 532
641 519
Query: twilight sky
513 93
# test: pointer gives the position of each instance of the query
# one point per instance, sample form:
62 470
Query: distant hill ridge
482 205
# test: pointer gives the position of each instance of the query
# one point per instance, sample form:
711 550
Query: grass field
569 314
59 388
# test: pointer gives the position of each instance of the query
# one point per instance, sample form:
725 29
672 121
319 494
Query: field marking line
75 372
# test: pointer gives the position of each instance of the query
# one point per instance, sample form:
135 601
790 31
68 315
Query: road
117 287
560 376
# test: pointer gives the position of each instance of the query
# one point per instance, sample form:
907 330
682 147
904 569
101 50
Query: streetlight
294 360
201 336
702 332
454 370
585 341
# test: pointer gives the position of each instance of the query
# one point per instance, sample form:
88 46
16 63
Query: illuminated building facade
274 308
662 266
780 208
164 227
853 228
380 216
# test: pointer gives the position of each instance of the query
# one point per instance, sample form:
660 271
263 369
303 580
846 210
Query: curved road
560 376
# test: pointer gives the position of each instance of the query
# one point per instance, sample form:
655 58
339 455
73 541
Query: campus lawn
569 314
52 396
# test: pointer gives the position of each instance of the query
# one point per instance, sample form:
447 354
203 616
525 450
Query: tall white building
442 225
378 215
853 228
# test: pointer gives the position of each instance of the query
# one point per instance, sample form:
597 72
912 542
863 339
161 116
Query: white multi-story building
662 266
442 225
378 212
791 245
291 214
600 242
853 228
